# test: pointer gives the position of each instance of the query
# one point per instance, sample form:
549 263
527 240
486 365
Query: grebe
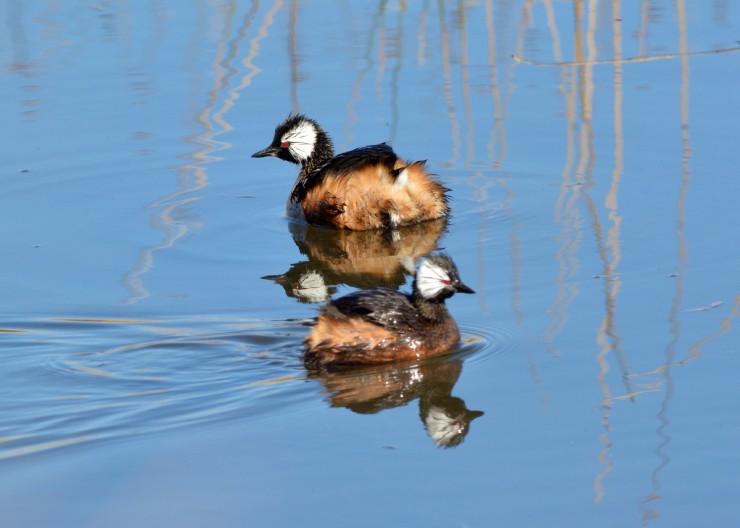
365 188
381 326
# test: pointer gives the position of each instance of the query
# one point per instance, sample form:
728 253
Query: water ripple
483 343
73 380
80 380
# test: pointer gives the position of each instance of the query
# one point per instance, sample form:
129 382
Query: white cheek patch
311 287
441 428
431 280
301 139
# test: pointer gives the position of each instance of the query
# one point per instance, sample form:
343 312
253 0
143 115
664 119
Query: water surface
155 298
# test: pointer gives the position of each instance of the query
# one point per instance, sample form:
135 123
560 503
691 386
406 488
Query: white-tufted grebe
365 188
381 326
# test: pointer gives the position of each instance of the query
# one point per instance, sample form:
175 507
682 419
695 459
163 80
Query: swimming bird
365 188
382 325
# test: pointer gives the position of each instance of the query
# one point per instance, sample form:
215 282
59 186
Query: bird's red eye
284 144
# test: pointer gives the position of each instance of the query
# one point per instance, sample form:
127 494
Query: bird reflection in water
360 259
369 390
375 259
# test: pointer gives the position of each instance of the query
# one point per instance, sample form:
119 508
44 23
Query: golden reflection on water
271 381
497 142
447 87
662 56
575 211
465 89
608 339
664 439
10 453
565 213
607 336
609 246
369 390
356 89
293 57
101 321
254 44
89 370
361 259
173 216
725 326
577 89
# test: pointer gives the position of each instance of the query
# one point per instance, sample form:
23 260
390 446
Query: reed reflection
173 214
370 390
580 185
661 451
360 259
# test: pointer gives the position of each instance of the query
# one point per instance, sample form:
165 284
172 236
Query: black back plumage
400 312
387 308
346 163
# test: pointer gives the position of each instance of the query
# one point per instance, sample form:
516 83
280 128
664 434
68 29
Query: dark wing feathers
384 307
355 160
344 164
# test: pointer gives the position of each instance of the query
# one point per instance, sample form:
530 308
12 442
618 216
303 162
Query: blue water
155 297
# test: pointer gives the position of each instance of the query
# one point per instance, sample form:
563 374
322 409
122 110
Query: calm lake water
155 297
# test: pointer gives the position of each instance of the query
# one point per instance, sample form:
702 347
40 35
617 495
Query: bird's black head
297 140
437 279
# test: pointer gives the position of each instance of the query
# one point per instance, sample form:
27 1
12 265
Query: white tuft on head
311 287
442 427
431 279
301 139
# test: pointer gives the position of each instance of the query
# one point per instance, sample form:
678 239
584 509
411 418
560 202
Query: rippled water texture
174 373
154 298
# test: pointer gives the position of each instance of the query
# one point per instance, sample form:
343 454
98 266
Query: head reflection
360 259
369 390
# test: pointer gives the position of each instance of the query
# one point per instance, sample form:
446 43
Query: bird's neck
323 152
434 310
